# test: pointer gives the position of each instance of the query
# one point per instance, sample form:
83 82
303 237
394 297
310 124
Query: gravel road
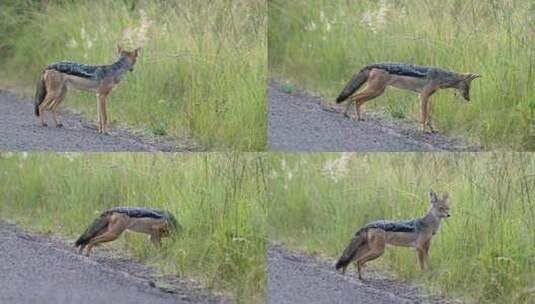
300 122
297 278
19 131
39 269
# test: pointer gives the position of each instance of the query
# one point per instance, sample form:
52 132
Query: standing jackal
421 79
370 241
101 79
111 223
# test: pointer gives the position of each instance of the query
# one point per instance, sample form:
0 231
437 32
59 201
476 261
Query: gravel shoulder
299 278
301 122
41 269
20 132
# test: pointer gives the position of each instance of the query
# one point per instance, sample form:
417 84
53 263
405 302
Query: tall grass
319 44
483 253
217 198
201 72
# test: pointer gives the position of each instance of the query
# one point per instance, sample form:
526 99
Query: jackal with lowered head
113 222
420 79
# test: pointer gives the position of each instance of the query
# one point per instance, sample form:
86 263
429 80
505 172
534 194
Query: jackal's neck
122 64
450 79
431 220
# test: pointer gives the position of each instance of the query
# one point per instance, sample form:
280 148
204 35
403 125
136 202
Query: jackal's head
130 55
439 206
171 224
464 84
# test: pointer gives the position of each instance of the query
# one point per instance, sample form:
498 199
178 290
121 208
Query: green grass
483 253
201 72
217 198
319 44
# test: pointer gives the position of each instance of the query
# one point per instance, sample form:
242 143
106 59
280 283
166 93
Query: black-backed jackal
420 79
101 79
370 241
113 222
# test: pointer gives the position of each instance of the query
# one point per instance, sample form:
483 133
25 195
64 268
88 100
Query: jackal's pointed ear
432 196
445 196
136 51
119 48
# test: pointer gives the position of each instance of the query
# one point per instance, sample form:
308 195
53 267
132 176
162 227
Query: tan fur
374 240
56 84
118 223
377 82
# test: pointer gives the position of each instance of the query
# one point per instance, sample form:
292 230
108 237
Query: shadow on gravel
41 269
301 122
298 278
20 132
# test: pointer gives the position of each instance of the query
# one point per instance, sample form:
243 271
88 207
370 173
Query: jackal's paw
60 125
43 125
427 130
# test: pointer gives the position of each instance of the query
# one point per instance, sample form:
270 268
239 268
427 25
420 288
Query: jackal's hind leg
105 237
376 251
348 105
81 250
114 230
55 118
359 270
356 110
42 108
42 122
362 98
376 248
57 102
376 87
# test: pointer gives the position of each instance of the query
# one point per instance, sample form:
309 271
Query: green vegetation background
201 73
483 253
320 44
217 198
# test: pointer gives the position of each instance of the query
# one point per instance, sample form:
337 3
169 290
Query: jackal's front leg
99 111
424 108
421 258
102 115
156 240
422 248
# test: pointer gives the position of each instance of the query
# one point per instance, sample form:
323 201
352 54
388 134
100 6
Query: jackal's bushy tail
40 93
354 84
93 230
351 249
